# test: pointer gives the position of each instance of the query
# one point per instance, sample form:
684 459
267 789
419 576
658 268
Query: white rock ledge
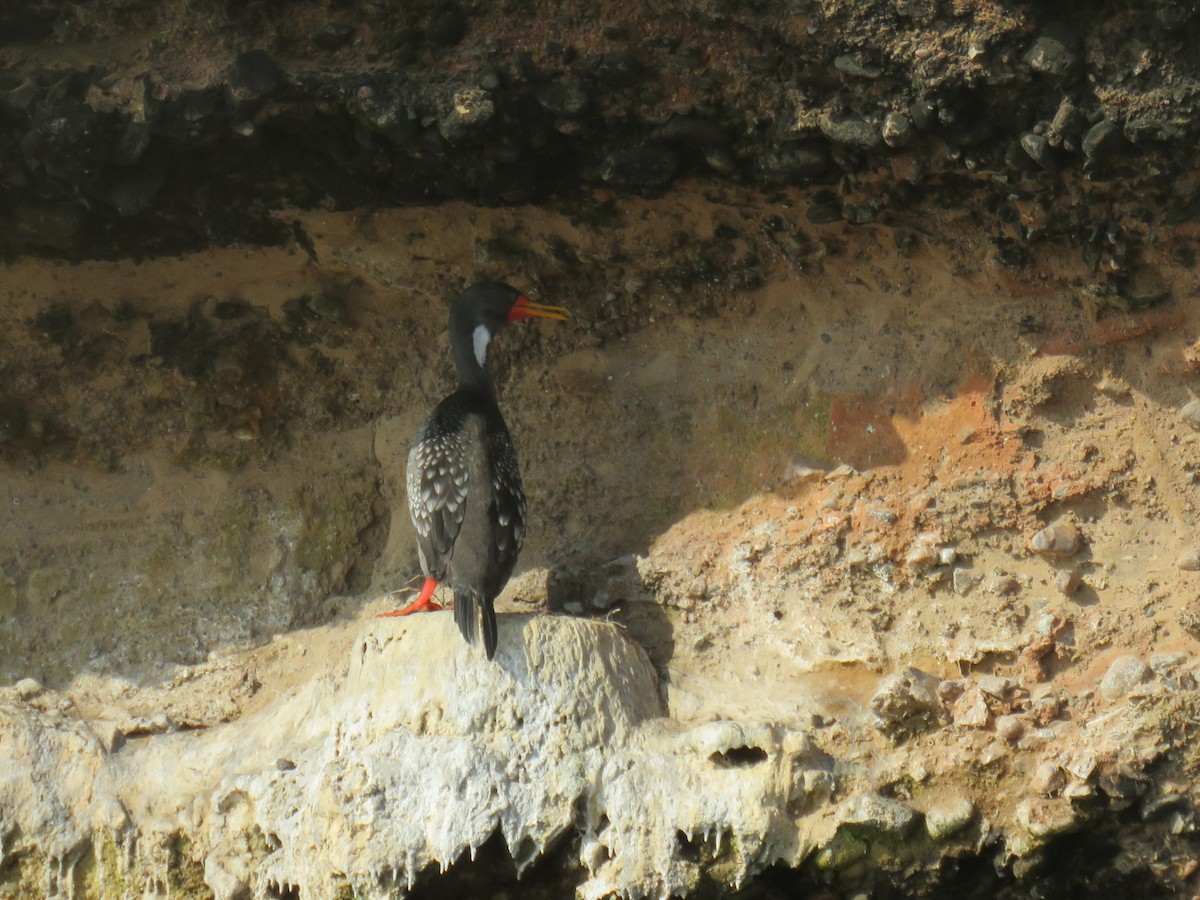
412 751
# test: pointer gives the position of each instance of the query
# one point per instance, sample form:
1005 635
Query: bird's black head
482 310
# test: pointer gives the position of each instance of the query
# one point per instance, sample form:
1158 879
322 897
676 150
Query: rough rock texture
143 148
408 752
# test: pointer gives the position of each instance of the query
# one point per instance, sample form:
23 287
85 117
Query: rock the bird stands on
464 484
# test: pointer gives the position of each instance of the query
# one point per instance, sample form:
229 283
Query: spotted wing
438 480
508 513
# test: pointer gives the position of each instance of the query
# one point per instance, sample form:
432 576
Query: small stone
963 581
851 66
283 764
490 78
650 166
907 703
1045 818
1066 125
1002 584
851 131
1060 538
948 817
886 516
1102 139
1046 709
325 306
874 813
923 554
472 108
1125 673
1082 765
1052 53
971 710
1067 581
1191 413
252 77
995 685
924 114
1048 779
947 556
824 211
720 159
789 163
28 688
897 129
1165 663
563 98
1037 148
1009 728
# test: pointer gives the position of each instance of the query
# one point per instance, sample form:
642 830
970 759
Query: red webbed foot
423 603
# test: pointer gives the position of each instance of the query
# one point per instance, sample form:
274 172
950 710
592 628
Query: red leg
423 603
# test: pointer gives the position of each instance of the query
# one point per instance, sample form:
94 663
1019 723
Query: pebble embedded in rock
650 166
1010 728
852 66
1125 673
948 817
897 129
1037 147
1052 53
28 688
1102 139
789 163
1190 561
1044 818
490 78
252 77
721 159
1067 581
1059 538
472 109
963 581
924 114
1066 125
563 98
1048 779
824 211
875 813
851 131
907 703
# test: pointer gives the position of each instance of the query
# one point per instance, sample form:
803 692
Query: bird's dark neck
472 374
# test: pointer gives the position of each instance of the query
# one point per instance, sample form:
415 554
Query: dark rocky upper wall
130 128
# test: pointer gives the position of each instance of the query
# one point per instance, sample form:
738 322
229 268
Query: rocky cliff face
875 431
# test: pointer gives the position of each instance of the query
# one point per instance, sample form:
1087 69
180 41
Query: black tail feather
468 619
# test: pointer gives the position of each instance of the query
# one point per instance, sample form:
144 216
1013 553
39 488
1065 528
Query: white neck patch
481 338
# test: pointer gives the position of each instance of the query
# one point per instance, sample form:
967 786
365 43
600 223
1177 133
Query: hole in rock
739 757
686 848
